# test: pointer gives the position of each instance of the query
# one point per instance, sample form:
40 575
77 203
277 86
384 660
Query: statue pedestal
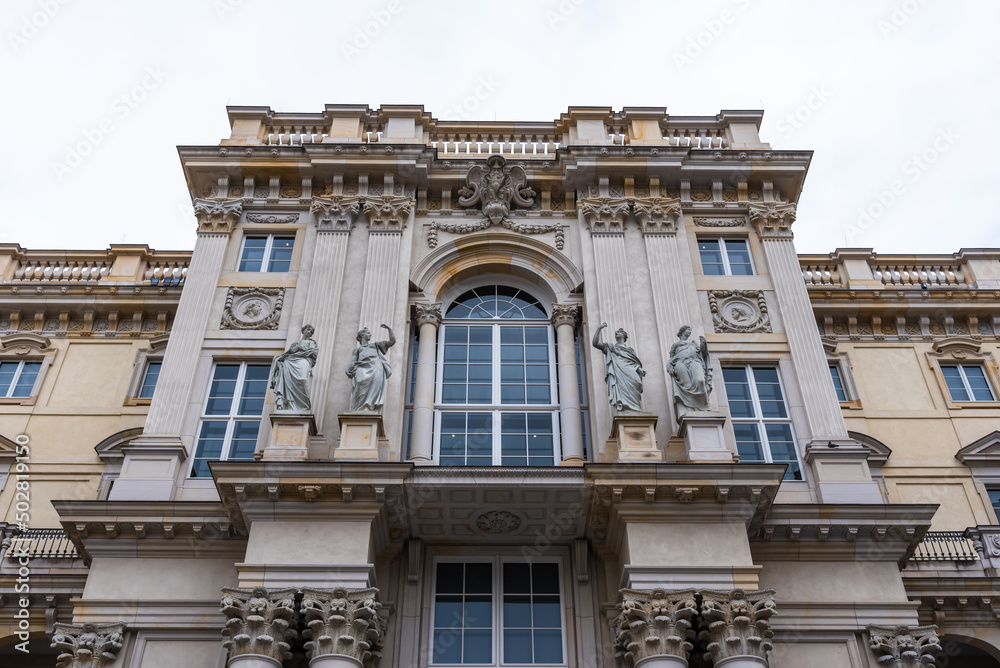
360 437
290 434
633 438
841 472
703 437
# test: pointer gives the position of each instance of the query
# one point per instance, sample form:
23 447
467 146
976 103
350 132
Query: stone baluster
257 626
422 435
564 318
344 628
736 627
653 628
900 646
87 645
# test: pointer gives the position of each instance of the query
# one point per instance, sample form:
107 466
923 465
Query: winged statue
496 188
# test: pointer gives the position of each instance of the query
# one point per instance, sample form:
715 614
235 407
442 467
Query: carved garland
253 308
740 311
521 228
272 219
703 221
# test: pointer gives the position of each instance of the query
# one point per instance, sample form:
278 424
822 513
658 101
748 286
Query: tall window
967 382
760 417
17 379
497 612
725 257
838 382
231 419
496 395
149 379
267 253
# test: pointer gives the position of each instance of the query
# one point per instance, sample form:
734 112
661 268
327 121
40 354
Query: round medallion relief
498 522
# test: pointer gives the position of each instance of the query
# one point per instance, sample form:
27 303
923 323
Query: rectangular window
498 612
17 379
267 253
725 257
149 380
995 500
838 382
760 418
231 418
967 382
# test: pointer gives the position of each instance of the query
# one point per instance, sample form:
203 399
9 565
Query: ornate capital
217 216
336 214
899 646
736 623
87 645
428 313
258 620
653 623
565 314
343 621
772 220
657 215
387 213
605 215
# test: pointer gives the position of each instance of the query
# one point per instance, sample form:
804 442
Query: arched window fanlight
493 302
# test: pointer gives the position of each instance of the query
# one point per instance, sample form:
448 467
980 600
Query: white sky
885 80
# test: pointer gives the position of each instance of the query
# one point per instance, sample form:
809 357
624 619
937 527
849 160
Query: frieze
704 221
252 308
272 219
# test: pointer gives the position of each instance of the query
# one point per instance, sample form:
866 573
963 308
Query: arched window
496 398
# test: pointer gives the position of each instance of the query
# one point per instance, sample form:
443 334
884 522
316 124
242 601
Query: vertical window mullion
266 260
724 250
497 457
234 411
759 415
16 379
961 371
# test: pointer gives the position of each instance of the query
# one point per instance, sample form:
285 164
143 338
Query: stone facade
834 505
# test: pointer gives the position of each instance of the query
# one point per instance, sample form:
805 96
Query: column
653 627
736 625
87 645
259 623
343 627
901 646
422 436
564 317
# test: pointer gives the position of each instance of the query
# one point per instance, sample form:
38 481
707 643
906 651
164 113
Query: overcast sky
898 99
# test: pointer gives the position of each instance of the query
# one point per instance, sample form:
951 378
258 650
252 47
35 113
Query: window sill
960 405
854 405
135 401
18 401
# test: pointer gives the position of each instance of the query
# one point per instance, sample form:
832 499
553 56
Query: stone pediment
984 451
878 452
110 449
22 343
8 448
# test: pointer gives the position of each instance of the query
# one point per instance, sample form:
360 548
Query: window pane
7 373
772 404
711 257
448 645
253 253
548 645
956 386
748 443
149 380
281 254
517 645
995 500
244 439
738 392
222 389
545 578
450 578
977 382
478 578
838 384
738 253
26 381
210 442
516 578
254 389
478 612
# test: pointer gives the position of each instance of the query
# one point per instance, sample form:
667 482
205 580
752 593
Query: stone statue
691 372
623 371
290 373
369 372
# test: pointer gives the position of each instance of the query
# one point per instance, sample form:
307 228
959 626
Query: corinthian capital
87 645
605 215
387 213
257 621
737 622
344 621
565 314
772 220
428 313
335 214
899 646
657 215
217 216
653 623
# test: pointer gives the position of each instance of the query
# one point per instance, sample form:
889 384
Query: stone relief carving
369 371
623 371
737 623
217 216
87 645
704 221
605 215
252 308
290 372
657 215
498 522
486 223
690 371
387 213
495 188
772 220
899 646
653 623
564 314
741 311
428 313
258 621
344 622
272 219
336 214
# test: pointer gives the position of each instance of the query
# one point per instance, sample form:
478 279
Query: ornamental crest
741 311
495 188
252 308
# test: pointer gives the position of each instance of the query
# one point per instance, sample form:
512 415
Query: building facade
442 393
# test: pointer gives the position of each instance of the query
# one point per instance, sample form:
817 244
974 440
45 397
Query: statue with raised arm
290 373
691 371
623 371
369 372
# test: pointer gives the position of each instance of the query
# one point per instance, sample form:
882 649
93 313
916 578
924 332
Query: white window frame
231 419
497 596
760 420
17 376
725 254
965 382
496 408
268 247
155 352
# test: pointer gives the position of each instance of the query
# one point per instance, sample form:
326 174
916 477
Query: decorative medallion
741 311
253 308
498 522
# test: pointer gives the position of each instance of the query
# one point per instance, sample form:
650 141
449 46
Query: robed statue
691 371
369 372
290 373
623 371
